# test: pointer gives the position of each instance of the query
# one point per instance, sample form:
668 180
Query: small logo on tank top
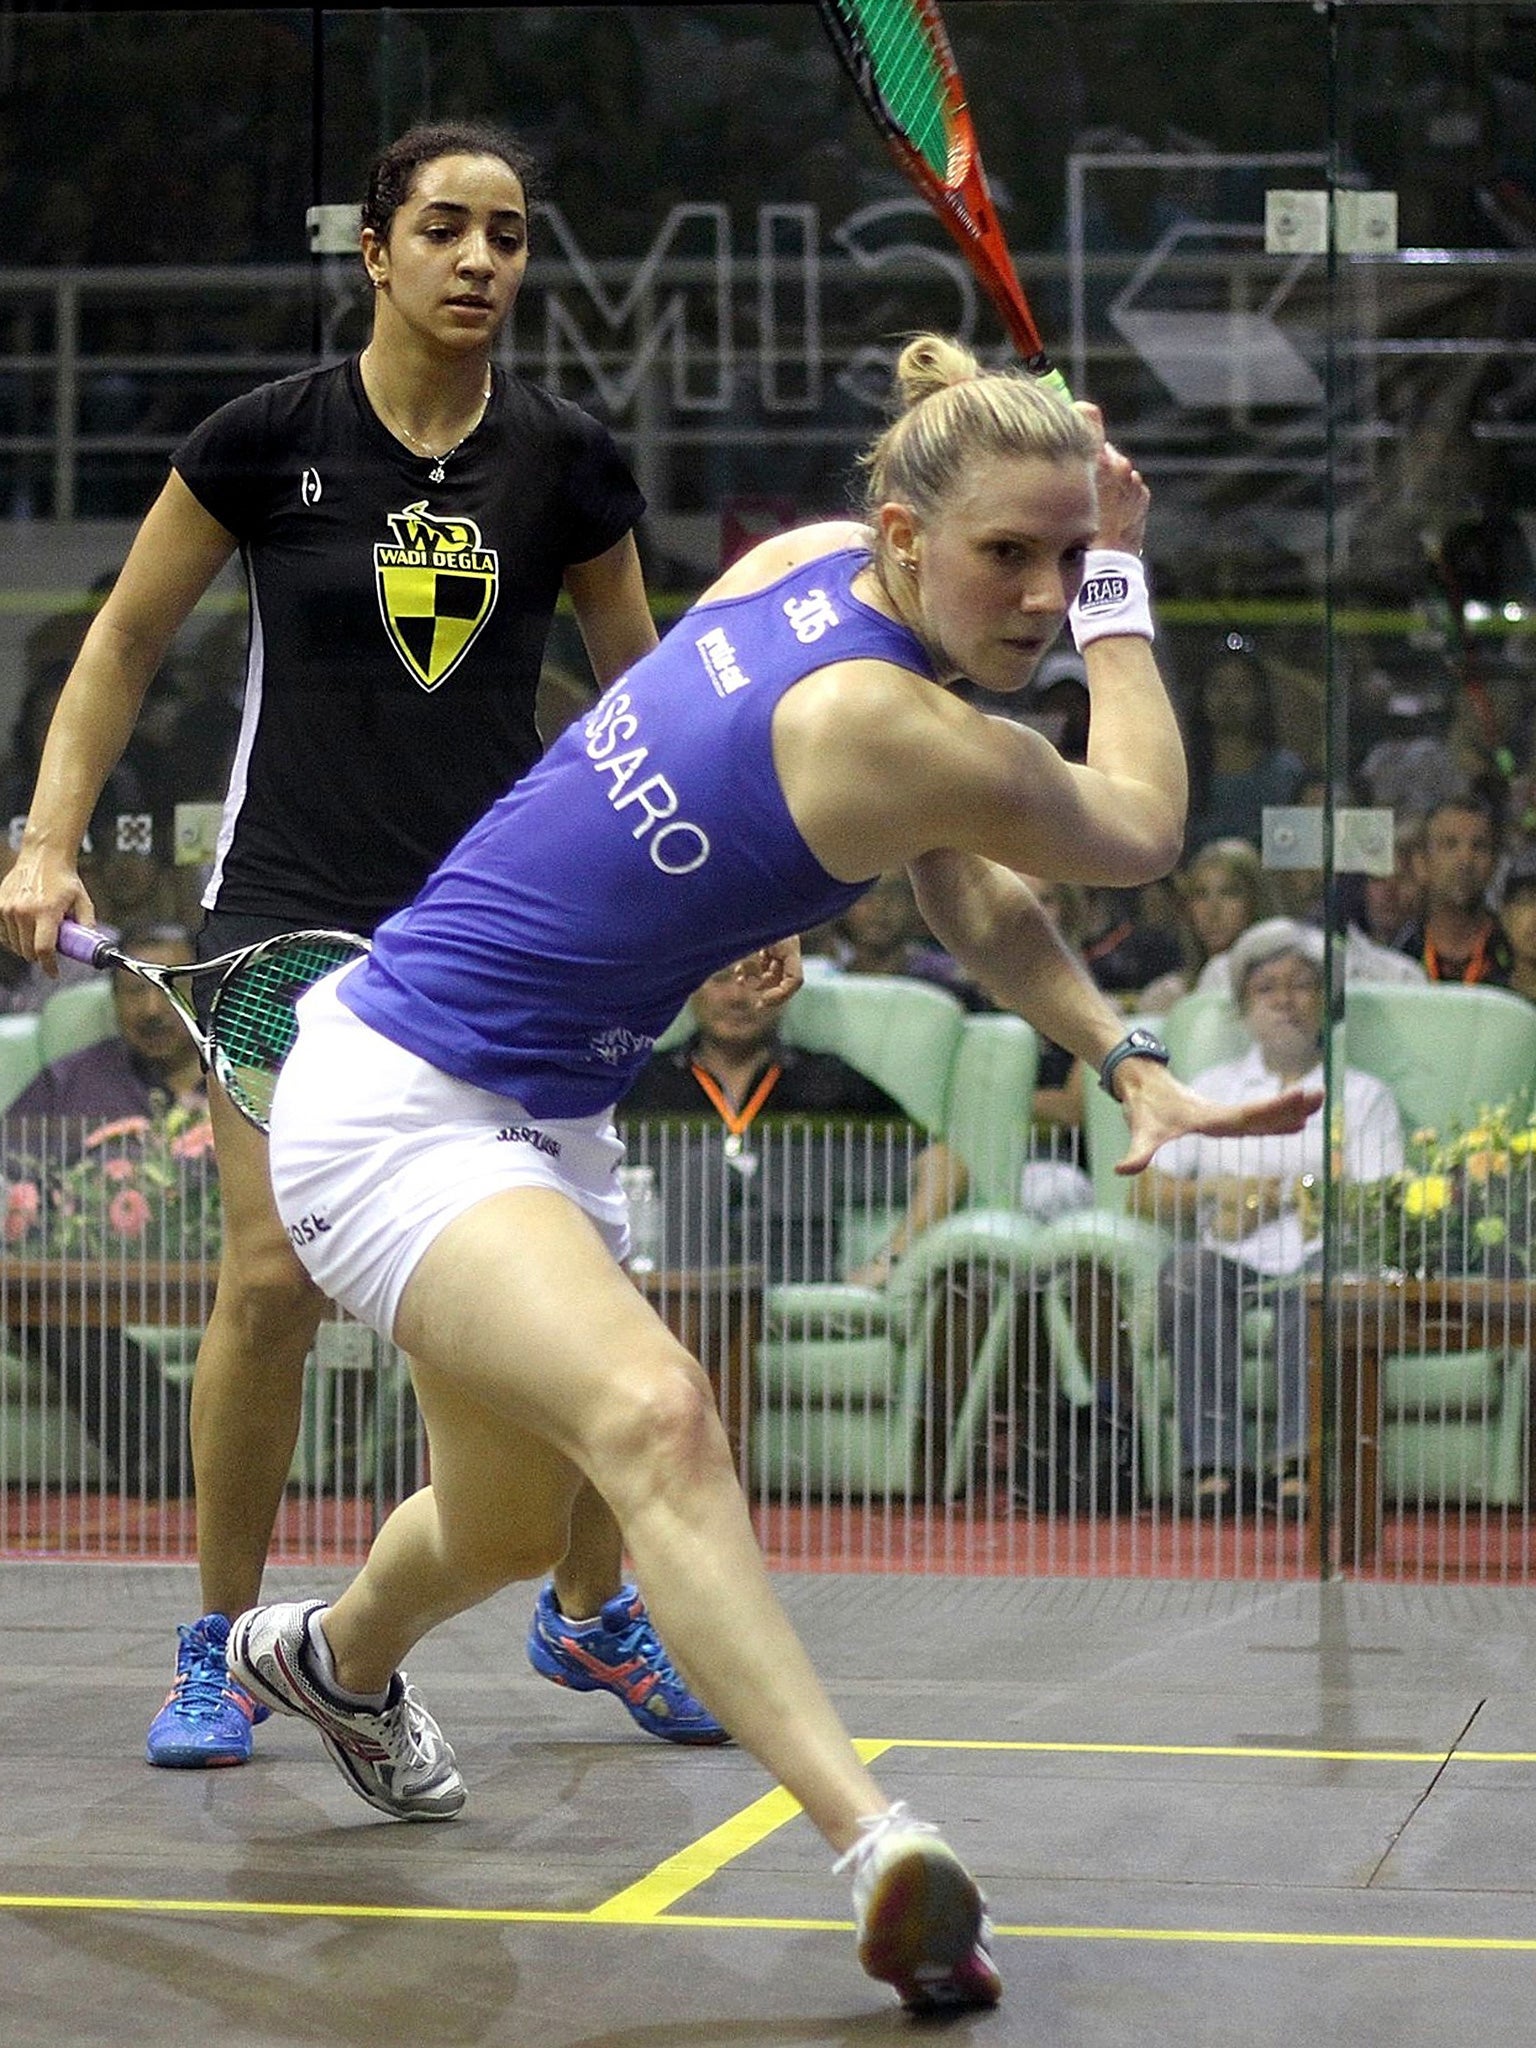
309 487
719 658
810 616
618 1042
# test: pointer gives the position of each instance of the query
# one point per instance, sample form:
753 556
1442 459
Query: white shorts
374 1152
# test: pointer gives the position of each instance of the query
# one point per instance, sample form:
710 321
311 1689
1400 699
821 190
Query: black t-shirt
397 627
828 1143
809 1084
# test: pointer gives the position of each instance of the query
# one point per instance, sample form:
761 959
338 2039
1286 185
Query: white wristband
1113 599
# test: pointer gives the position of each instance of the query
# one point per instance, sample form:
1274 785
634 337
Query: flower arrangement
1465 1203
138 1187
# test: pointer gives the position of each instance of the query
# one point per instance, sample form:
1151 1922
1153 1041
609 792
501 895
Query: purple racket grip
79 942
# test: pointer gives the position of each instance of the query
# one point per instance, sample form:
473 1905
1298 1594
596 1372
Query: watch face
1147 1042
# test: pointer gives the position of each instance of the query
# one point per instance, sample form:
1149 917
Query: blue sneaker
621 1653
207 1718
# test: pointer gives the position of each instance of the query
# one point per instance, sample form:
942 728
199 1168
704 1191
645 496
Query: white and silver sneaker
922 1921
395 1758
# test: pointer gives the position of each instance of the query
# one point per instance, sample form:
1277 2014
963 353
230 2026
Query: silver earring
907 562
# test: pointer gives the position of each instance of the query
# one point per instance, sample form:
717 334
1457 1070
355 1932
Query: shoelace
200 1688
873 1827
412 1720
639 1639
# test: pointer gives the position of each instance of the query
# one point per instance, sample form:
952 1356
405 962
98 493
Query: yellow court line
701 1860
769 1924
1293 1938
1253 1750
648 1901
289 1909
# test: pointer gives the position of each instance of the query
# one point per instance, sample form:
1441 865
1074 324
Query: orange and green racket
904 71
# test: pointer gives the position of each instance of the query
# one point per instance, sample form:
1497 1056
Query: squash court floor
1203 1814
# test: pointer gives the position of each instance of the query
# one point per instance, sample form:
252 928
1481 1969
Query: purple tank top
650 847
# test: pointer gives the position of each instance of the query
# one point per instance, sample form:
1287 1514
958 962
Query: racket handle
1047 374
79 942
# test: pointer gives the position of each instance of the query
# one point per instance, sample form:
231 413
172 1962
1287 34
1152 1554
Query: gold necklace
436 473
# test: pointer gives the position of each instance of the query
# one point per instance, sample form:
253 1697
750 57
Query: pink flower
118 1170
22 1204
193 1143
128 1213
125 1127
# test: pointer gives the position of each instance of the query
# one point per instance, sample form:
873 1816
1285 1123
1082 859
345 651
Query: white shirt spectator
1371 1147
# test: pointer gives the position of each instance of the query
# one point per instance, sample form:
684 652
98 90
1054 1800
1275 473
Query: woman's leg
247 1388
498 1509
519 1306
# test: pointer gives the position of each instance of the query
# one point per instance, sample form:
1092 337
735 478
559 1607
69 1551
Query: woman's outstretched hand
1159 1107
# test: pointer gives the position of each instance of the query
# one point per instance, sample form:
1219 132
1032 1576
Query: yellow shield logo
437 588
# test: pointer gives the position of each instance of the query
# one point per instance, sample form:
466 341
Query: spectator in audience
1222 890
1390 902
131 885
1457 937
102 1097
883 933
736 1068
1237 764
1244 1197
149 1066
1127 949
1517 922
1415 768
123 795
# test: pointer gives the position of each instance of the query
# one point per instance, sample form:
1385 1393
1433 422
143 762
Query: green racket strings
252 1014
906 74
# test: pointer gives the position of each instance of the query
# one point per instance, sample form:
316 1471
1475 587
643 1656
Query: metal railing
741 348
1008 1399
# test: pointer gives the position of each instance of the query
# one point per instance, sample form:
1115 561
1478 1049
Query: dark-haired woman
407 520
1236 762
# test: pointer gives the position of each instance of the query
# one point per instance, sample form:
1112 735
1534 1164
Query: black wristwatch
1136 1045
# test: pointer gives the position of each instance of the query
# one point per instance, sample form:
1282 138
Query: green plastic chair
871 1401
843 1374
20 1059
1446 1051
903 1034
74 1018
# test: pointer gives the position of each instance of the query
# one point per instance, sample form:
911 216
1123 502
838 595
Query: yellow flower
1427 1194
1523 1143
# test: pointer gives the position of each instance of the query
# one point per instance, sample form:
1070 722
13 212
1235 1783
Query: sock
322 1668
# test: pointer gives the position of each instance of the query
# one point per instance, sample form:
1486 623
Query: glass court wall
1290 249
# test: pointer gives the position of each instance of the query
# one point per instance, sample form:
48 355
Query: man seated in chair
723 1206
1249 1206
147 1067
87 1148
